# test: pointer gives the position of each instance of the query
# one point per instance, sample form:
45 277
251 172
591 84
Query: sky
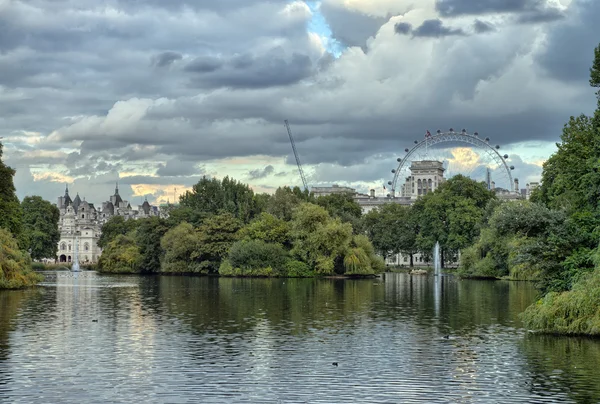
154 94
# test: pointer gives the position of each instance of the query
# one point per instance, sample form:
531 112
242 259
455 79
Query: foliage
180 246
269 228
512 243
40 227
10 208
285 200
297 269
15 265
212 197
147 236
115 226
392 229
121 255
216 236
575 312
451 215
255 258
344 207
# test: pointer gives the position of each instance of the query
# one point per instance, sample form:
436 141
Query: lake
91 338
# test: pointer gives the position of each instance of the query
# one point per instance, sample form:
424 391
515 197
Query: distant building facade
81 222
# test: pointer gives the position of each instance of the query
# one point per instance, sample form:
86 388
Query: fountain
75 267
437 264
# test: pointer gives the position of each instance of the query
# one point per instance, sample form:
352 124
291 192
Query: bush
298 269
576 312
257 258
15 265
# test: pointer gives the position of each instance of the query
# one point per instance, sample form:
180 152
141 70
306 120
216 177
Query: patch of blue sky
319 26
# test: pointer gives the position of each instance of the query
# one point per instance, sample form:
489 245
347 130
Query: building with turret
81 222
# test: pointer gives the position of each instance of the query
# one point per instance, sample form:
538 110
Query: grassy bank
576 312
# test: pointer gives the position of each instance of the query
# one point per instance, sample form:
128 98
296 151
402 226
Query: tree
284 201
211 197
343 206
393 229
121 255
10 208
115 226
216 236
147 236
268 228
451 215
181 247
40 227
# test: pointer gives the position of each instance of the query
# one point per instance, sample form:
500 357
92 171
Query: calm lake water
89 338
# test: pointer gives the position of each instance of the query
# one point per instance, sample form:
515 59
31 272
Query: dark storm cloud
251 71
569 53
403 28
435 29
481 27
177 168
460 7
166 58
203 64
261 173
350 27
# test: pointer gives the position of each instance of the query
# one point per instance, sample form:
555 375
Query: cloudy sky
156 93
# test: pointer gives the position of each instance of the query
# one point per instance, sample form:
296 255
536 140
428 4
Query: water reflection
92 338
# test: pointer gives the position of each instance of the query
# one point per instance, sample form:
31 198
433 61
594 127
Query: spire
117 189
67 190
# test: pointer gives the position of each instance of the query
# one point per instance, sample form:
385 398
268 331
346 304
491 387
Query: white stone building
81 222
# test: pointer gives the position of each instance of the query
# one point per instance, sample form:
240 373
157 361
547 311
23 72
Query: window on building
405 259
86 247
83 216
63 246
69 247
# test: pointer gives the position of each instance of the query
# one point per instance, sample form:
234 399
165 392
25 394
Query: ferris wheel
460 153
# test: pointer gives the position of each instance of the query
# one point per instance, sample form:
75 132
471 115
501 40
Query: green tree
255 258
211 197
216 236
181 246
392 229
115 226
268 228
10 208
148 234
451 215
343 206
121 255
40 227
285 200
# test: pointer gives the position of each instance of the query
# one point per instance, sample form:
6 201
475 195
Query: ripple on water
100 339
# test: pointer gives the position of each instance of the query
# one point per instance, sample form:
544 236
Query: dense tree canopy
116 225
211 196
10 208
40 227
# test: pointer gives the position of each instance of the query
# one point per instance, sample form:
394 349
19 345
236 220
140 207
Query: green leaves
40 227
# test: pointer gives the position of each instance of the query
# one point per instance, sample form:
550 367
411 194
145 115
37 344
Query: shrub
298 269
255 258
15 265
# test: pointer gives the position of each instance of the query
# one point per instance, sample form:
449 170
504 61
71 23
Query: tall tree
211 197
115 226
40 227
393 229
451 215
147 236
10 208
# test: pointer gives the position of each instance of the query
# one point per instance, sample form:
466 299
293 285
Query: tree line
28 230
221 227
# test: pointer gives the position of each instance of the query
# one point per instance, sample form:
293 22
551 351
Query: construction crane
287 125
